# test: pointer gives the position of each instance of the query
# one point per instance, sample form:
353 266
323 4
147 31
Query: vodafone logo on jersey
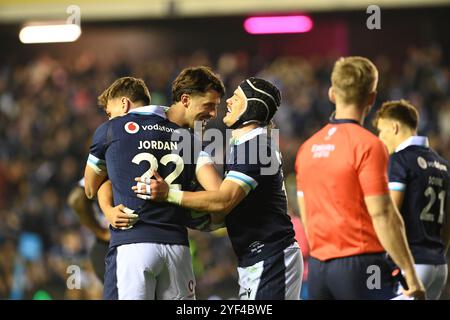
131 127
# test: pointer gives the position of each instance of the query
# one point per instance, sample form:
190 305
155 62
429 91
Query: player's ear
126 104
331 95
395 127
185 99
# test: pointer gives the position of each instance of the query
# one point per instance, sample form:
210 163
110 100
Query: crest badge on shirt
422 163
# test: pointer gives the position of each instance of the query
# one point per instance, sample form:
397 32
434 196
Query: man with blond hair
343 195
419 184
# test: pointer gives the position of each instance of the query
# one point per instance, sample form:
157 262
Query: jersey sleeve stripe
300 194
98 165
241 183
247 179
247 183
397 186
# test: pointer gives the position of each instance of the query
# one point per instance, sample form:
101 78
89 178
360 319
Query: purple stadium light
278 24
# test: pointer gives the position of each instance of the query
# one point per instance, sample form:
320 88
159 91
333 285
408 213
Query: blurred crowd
48 113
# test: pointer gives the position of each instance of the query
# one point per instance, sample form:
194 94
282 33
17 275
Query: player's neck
352 112
237 133
175 114
135 105
403 136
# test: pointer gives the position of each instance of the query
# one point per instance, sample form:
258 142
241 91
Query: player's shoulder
257 137
363 135
439 157
440 162
399 156
402 161
413 153
102 129
410 153
364 140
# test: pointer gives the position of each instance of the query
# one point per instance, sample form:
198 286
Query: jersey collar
151 110
333 120
249 135
413 141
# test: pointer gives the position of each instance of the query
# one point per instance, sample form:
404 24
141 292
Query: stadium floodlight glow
278 24
47 33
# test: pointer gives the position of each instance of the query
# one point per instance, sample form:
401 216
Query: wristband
175 196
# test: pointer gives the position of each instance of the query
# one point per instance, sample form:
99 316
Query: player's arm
82 206
221 201
397 198
93 180
206 175
157 189
398 178
231 192
390 229
210 180
115 215
95 171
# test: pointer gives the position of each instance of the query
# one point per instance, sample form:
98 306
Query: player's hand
151 189
121 217
416 289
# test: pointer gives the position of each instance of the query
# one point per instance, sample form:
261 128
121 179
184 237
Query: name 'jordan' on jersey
259 226
131 146
423 176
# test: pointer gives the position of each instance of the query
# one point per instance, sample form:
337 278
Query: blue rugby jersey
130 146
423 176
259 226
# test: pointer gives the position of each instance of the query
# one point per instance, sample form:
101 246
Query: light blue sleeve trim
397 186
243 177
98 165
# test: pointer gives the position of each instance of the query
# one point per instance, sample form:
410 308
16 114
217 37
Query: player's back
331 174
423 176
135 144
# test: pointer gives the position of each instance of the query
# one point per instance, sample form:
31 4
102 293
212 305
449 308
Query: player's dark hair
129 87
400 110
196 81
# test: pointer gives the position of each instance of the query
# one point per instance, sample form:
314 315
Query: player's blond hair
132 88
353 79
